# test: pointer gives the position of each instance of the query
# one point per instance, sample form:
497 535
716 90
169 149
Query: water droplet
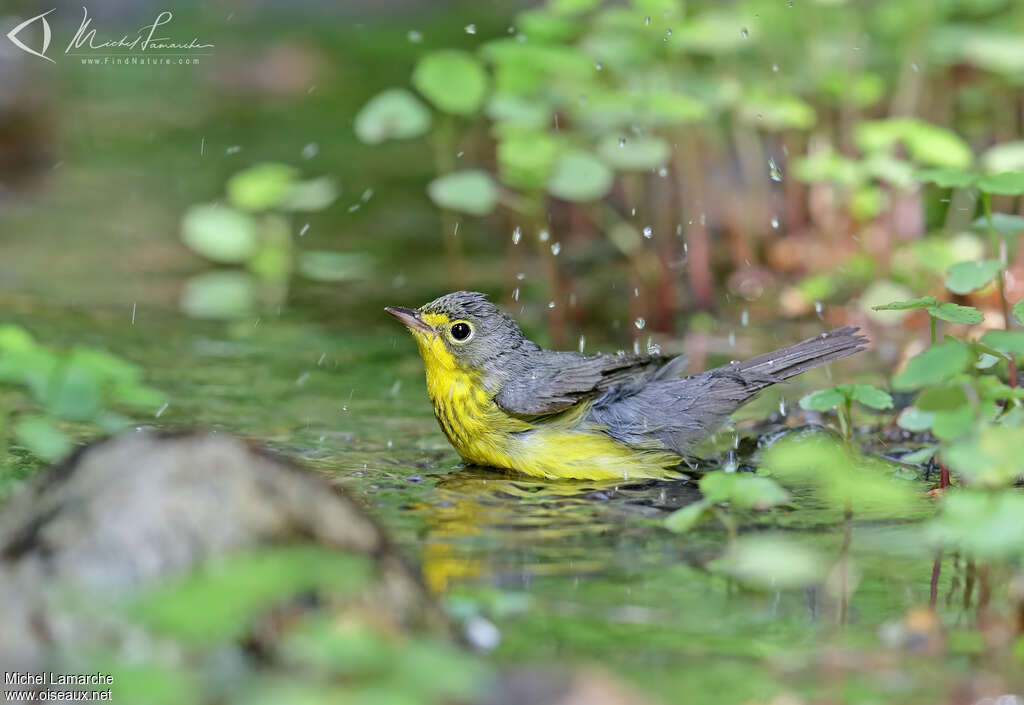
622 141
648 232
668 33
583 343
414 36
647 20
304 230
470 29
521 276
744 33
598 66
817 308
782 406
556 247
640 322
663 172
544 235
515 294
775 222
789 3
551 304
775 68
517 235
652 347
773 171
732 339
636 291
310 150
915 67
636 347
745 317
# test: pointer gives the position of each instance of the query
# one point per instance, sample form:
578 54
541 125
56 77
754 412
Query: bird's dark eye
461 331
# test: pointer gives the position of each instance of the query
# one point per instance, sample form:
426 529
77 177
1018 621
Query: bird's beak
410 317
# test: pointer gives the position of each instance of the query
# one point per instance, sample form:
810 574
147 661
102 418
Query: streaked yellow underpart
557 446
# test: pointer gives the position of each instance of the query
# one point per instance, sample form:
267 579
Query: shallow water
570 572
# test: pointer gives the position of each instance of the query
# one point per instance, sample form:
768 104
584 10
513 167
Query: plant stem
932 320
843 565
845 419
933 594
999 250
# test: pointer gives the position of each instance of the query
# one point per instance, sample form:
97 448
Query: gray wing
559 380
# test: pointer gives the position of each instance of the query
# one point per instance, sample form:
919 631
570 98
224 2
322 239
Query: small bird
504 401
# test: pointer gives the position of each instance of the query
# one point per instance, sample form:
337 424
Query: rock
125 514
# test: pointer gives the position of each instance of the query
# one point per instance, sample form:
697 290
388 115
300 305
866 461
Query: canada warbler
504 401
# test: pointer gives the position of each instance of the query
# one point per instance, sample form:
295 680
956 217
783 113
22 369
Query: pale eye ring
461 331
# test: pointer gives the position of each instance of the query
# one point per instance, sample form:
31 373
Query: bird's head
461 329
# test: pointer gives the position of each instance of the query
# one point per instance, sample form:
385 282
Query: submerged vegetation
714 178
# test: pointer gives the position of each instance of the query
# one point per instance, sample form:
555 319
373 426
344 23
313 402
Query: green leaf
822 400
472 191
517 110
392 114
955 313
872 397
526 158
941 398
580 176
985 524
1007 341
219 233
326 266
922 302
452 80
772 562
42 438
219 602
1008 156
1018 311
1009 183
219 295
262 186
948 178
1002 222
992 458
915 420
634 153
669 108
74 393
682 520
743 490
919 456
965 277
953 423
933 365
936 146
15 338
312 195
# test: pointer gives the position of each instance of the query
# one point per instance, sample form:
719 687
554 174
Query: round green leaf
42 438
772 562
870 396
1009 183
915 420
218 295
634 153
933 365
936 146
822 400
325 266
452 80
684 519
516 110
943 397
261 187
669 108
472 191
922 302
392 114
219 233
312 195
526 158
1008 156
580 176
965 277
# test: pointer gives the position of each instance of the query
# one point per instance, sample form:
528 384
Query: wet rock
128 513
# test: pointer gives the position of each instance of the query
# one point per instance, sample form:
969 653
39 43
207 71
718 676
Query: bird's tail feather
773 367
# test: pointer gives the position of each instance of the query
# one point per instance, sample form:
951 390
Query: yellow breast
560 446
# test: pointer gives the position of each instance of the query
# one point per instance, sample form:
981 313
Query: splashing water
556 247
470 29
774 173
517 235
640 322
648 232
